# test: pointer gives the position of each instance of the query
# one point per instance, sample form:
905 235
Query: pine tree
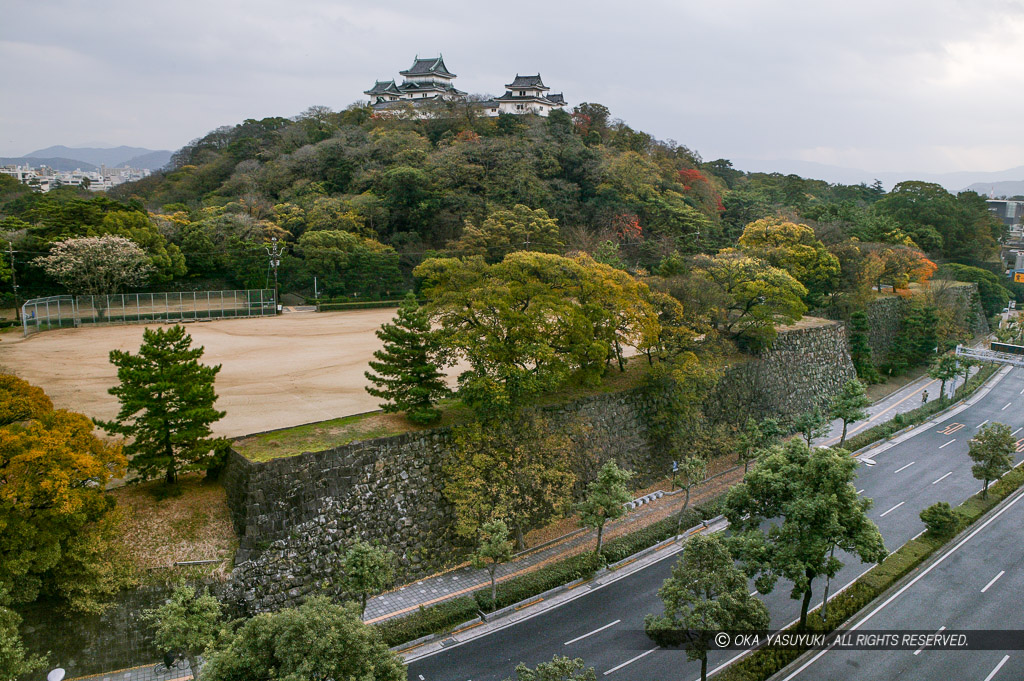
406 375
167 401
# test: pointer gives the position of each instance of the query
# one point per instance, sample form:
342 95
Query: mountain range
979 181
61 157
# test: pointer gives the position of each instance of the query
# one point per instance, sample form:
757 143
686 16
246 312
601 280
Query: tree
97 265
493 548
605 499
515 469
367 570
20 400
850 405
860 349
755 438
941 520
54 515
559 669
945 368
15 660
505 231
706 593
812 424
407 376
188 623
992 450
166 399
810 508
317 640
756 296
794 248
693 470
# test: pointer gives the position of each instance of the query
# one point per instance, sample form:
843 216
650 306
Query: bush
940 520
539 581
432 620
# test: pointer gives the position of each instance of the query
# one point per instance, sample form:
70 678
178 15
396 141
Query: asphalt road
929 467
974 586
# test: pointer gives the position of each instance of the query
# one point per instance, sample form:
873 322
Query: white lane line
580 638
615 669
1006 405
918 651
943 477
1017 431
753 593
860 491
892 509
948 443
1021 391
998 667
1001 573
421 677
904 468
921 575
983 423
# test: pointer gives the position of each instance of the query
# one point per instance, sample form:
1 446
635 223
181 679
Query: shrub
539 581
432 620
940 519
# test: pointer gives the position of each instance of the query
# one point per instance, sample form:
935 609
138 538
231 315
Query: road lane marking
753 593
1001 573
421 677
872 418
948 443
580 638
998 667
1006 405
615 669
892 509
951 428
867 462
983 423
1021 391
921 575
918 651
1020 445
905 467
1017 431
944 477
860 491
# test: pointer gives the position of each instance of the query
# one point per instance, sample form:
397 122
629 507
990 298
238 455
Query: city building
43 178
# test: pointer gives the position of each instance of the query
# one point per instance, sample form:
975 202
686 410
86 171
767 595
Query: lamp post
275 261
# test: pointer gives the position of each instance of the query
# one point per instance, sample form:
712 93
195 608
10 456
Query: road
974 585
605 626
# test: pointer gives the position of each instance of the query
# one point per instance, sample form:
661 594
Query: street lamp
275 261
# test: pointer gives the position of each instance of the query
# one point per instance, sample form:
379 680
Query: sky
885 85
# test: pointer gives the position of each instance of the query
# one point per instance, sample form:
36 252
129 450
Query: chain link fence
55 312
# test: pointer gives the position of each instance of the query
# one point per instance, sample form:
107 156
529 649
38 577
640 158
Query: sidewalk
464 580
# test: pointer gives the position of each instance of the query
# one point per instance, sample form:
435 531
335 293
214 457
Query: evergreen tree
166 399
860 350
850 405
493 548
992 452
407 377
367 570
605 499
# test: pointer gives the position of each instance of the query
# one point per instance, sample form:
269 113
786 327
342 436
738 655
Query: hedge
761 664
363 305
537 582
432 620
919 415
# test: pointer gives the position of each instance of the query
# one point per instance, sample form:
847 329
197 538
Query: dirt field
277 371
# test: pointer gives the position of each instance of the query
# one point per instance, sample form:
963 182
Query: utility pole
275 262
14 282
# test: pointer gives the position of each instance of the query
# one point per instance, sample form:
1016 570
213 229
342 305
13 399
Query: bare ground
277 371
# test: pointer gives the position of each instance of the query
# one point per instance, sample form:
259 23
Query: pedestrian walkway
146 672
907 398
464 580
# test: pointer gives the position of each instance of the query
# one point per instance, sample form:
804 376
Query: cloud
884 85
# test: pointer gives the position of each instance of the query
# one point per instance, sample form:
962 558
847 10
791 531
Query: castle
429 80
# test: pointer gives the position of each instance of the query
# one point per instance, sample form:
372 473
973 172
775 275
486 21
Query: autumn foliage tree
794 248
54 515
20 400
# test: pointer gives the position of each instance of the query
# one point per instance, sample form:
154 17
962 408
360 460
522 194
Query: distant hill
112 158
1007 188
953 182
55 163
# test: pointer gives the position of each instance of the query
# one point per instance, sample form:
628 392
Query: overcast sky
930 85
